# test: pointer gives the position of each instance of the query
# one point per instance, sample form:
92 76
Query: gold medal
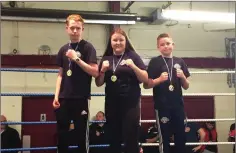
113 78
69 73
171 87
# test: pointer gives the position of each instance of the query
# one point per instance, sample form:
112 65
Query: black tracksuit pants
76 110
122 119
171 122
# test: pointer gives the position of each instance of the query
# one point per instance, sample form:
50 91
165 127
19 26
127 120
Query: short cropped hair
75 17
163 35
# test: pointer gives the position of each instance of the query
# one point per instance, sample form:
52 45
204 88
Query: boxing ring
102 94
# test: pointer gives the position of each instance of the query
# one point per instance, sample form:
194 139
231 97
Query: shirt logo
78 54
83 112
177 66
164 119
122 62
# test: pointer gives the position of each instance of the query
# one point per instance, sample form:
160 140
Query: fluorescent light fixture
198 16
33 19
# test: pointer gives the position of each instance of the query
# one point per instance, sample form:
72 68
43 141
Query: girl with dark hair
122 70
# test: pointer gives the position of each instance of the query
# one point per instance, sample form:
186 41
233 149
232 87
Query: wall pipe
62 14
52 20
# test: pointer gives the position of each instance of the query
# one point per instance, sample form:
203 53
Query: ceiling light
198 16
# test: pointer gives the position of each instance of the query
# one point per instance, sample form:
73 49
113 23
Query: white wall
190 42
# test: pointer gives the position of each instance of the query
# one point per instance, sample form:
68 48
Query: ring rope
196 120
102 94
200 94
56 71
29 70
193 144
141 121
107 145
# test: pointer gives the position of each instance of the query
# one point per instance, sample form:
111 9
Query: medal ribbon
114 67
169 72
75 50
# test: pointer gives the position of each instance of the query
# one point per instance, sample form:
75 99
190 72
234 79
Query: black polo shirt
164 98
127 83
78 85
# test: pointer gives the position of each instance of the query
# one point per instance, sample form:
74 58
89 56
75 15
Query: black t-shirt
161 94
127 83
192 132
78 85
93 138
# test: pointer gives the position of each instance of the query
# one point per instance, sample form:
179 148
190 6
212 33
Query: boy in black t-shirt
167 76
78 64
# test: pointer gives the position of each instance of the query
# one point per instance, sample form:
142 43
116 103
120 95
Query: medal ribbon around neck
169 70
114 67
69 72
75 50
113 77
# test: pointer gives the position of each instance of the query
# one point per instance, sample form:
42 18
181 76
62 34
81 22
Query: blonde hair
75 17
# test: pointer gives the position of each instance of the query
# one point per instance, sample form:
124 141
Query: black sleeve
92 55
138 61
59 57
92 133
100 64
16 142
151 68
197 126
185 69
